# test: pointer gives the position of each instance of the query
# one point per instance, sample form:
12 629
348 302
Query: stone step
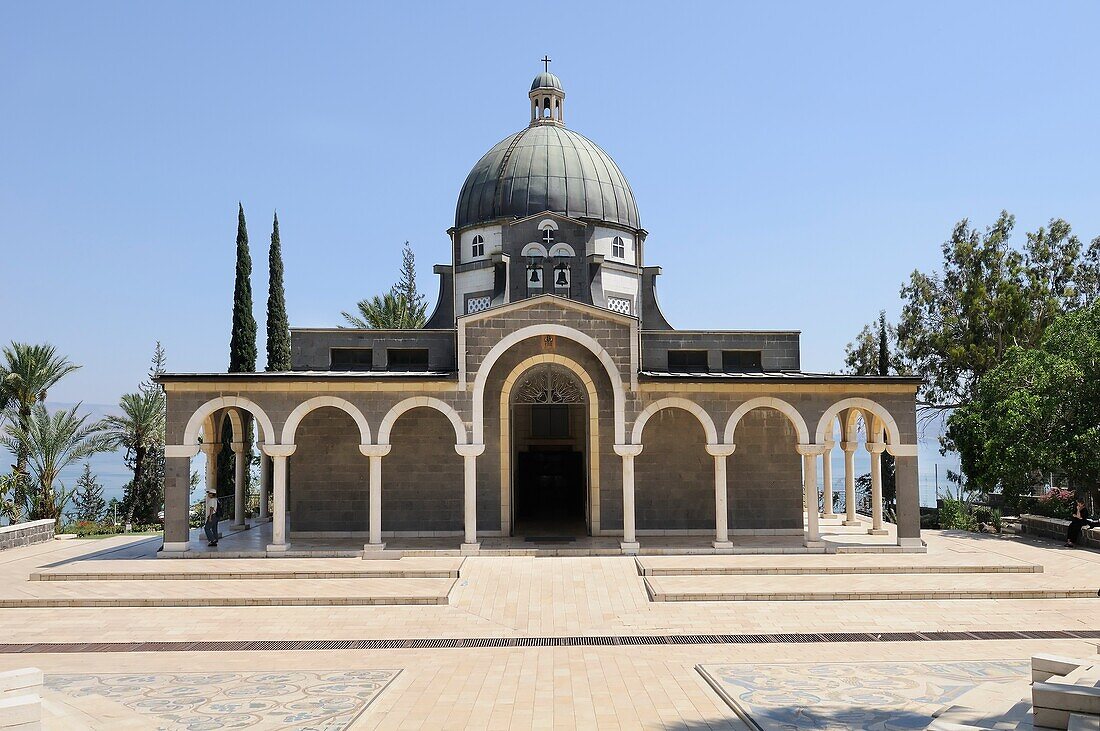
228 592
220 569
961 563
874 586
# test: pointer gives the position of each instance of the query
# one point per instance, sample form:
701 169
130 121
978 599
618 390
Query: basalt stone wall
26 534
328 477
422 480
764 474
674 475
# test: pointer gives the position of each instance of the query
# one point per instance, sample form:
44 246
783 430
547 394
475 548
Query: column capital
876 447
279 450
470 450
628 450
810 450
237 447
375 450
720 450
849 446
181 450
210 449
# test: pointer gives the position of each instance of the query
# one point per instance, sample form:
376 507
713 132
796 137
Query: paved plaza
538 642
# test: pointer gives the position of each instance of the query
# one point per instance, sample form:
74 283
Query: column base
814 544
630 549
723 545
877 532
470 549
829 514
374 547
178 547
239 526
262 519
852 523
277 547
904 542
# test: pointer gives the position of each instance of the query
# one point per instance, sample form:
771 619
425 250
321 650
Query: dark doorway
550 492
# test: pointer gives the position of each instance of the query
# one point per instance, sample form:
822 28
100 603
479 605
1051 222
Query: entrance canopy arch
416 402
582 339
195 423
768 402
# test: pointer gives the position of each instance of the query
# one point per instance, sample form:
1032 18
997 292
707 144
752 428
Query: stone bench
1040 525
20 702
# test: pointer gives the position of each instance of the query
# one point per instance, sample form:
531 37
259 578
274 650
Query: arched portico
675 402
300 412
416 402
191 431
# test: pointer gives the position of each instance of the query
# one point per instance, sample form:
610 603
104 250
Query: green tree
1037 412
403 307
242 341
52 442
139 429
88 500
278 327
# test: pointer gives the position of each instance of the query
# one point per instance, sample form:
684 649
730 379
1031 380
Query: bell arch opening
550 453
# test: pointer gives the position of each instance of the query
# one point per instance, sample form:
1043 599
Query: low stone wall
25 534
1038 525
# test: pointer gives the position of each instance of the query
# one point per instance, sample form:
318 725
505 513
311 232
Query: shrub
955 515
1056 503
90 528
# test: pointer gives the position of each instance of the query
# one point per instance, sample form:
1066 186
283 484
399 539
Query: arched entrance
550 453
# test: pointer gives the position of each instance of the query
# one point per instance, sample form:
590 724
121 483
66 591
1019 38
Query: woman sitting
1080 520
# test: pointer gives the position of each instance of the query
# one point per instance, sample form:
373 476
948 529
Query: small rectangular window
351 359
740 361
687 361
406 359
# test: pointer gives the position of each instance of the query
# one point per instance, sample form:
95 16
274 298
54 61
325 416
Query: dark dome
546 80
546 167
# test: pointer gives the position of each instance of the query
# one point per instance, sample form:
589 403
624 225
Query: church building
547 396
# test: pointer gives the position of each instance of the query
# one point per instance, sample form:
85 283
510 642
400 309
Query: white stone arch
534 249
290 428
235 425
191 431
416 402
562 249
531 331
881 419
593 451
675 402
768 402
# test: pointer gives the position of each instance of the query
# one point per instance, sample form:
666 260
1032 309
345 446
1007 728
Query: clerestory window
478 247
618 248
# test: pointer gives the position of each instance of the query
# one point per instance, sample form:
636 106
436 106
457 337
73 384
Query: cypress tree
883 346
242 341
278 328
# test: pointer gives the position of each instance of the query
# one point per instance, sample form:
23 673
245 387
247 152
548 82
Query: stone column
850 482
827 480
265 485
469 454
905 470
239 494
211 497
721 513
374 508
876 449
809 454
279 454
177 496
628 452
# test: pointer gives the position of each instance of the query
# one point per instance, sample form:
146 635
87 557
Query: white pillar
279 454
876 449
850 482
628 452
376 452
211 501
809 454
721 520
239 494
469 454
265 485
827 480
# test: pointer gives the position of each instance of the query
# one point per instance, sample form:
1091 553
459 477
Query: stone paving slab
905 563
859 587
227 592
213 569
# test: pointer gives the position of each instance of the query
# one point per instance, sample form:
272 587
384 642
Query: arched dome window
618 248
477 247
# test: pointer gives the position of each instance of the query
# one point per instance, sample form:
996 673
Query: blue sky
792 162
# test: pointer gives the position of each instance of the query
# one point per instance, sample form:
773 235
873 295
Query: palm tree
52 442
30 371
390 311
139 428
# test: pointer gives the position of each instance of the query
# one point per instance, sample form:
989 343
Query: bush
90 528
955 515
1057 503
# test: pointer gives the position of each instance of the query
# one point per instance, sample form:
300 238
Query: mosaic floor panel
309 701
875 696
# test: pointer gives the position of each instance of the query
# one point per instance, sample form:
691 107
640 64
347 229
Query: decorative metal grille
549 385
477 304
618 304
